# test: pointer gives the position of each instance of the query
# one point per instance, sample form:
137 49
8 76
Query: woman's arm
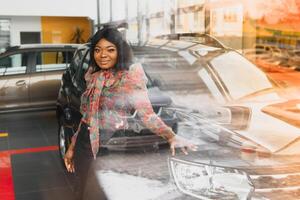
74 137
69 156
140 101
83 110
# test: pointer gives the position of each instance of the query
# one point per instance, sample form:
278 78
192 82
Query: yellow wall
61 29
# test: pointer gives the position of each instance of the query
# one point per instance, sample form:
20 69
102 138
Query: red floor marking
31 150
6 176
6 179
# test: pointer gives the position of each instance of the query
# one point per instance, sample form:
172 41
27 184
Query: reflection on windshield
245 80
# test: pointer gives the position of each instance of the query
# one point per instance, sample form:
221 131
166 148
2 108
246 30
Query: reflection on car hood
288 111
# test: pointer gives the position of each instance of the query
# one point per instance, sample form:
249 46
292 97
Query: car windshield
171 70
240 76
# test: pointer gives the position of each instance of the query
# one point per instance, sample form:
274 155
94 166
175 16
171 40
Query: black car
68 114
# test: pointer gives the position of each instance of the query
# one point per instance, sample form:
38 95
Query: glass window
209 82
13 64
4 33
156 6
105 11
118 11
83 57
51 61
250 79
85 65
77 60
132 9
171 71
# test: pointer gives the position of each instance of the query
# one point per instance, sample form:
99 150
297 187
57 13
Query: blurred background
223 73
267 30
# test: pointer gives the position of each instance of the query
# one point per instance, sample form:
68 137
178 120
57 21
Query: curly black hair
125 55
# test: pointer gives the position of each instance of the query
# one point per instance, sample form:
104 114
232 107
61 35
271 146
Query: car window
76 61
211 85
172 71
239 76
51 61
13 64
81 63
85 65
180 60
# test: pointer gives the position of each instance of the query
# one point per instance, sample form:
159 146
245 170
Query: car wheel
64 140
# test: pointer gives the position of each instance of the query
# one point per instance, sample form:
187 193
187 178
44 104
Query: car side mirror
240 117
231 117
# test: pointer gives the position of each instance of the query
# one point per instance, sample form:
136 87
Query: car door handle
20 83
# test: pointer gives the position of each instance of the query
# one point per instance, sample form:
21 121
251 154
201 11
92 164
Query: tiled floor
40 175
36 175
32 169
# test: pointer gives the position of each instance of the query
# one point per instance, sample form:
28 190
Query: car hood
257 145
274 125
158 98
275 134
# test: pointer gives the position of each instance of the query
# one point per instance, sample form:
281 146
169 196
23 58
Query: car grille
126 143
160 111
136 134
156 109
130 133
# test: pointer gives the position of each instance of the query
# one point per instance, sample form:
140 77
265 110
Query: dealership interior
223 76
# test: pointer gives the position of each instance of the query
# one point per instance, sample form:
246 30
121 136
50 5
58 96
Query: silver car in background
30 75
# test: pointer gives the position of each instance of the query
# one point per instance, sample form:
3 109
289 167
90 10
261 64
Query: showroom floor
30 168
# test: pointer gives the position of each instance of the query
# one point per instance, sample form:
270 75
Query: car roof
30 47
194 37
84 46
40 46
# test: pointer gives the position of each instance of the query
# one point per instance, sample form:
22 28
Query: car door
14 80
45 79
80 65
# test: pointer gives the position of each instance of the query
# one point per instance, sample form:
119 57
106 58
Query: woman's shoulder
136 74
136 67
136 70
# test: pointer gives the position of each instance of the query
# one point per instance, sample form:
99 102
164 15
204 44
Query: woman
114 86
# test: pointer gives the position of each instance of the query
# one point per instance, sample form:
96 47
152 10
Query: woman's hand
182 143
69 159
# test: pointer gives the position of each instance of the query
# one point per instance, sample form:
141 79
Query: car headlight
205 181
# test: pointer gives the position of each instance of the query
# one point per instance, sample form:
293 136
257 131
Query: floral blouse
110 95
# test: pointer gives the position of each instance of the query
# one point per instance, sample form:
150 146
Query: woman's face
105 54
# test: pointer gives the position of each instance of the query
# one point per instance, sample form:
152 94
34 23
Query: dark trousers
87 186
